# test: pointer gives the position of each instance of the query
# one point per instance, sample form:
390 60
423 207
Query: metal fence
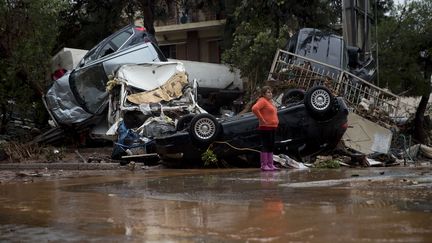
370 101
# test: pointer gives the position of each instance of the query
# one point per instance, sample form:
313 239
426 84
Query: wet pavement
223 205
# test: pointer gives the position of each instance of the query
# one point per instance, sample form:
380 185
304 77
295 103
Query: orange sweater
266 113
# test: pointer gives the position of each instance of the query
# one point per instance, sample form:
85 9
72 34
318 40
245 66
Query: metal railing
366 99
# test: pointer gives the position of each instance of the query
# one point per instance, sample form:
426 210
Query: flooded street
220 205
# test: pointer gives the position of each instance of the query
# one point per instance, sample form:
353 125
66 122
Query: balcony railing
196 16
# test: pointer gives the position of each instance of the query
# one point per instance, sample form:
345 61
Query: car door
88 85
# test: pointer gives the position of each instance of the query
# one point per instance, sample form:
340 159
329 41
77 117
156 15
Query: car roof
135 29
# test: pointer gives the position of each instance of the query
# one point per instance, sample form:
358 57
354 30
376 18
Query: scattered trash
372 162
419 149
285 161
376 117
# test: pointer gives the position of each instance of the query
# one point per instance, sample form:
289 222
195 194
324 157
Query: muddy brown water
223 205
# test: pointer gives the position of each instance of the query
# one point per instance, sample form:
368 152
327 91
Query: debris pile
380 115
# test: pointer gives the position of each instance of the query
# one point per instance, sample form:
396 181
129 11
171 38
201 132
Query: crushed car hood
148 76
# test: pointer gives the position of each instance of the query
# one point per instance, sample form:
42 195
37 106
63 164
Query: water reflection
221 205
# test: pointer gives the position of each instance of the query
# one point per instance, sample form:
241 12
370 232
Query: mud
235 205
72 162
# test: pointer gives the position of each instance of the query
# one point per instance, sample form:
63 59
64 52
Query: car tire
292 96
319 101
204 128
184 122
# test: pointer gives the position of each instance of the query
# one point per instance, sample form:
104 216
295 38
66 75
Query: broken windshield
326 48
320 46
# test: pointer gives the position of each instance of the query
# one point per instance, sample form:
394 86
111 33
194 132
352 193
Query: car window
141 37
120 39
89 56
115 43
106 50
319 46
334 52
88 86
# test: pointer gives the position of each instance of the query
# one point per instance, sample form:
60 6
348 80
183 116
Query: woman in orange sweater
266 112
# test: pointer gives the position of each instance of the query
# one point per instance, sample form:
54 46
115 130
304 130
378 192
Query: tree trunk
4 118
419 133
148 7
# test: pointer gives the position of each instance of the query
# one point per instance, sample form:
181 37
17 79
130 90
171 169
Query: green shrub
330 164
209 158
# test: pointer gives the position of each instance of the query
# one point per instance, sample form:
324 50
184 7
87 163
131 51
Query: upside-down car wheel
292 96
319 101
204 128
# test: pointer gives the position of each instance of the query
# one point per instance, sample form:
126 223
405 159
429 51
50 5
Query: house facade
196 36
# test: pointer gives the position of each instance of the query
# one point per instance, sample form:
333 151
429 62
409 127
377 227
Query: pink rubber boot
265 162
270 161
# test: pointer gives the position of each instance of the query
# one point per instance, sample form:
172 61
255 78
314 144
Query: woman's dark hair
264 89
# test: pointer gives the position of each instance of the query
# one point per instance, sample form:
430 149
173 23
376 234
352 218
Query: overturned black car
309 125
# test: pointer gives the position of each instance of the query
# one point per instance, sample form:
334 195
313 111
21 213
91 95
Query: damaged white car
147 101
148 98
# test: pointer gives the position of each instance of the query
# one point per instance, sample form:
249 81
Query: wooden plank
139 155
